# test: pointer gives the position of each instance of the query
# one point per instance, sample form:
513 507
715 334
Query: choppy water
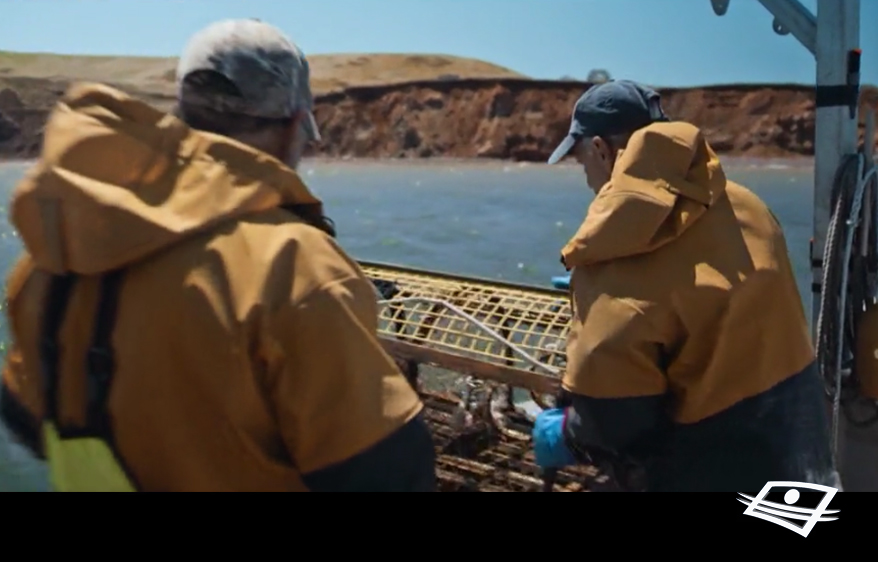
500 221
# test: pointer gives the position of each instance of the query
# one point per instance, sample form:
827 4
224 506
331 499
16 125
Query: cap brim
310 125
562 150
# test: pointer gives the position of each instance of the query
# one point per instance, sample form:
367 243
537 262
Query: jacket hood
662 183
118 180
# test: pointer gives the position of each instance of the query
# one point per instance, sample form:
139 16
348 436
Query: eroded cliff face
516 119
525 120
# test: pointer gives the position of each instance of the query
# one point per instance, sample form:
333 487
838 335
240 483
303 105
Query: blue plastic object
561 281
550 451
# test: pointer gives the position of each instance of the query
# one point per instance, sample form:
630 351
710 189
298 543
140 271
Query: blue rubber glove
549 447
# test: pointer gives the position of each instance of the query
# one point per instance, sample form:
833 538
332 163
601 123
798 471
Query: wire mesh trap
485 357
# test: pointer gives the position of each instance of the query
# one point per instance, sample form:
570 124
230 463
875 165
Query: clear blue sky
659 42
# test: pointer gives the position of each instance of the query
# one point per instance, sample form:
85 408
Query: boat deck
482 460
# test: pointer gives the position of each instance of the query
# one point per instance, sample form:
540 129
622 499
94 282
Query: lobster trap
485 357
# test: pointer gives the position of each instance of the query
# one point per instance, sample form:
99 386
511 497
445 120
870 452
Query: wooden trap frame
485 356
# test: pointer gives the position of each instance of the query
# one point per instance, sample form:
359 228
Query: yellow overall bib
82 459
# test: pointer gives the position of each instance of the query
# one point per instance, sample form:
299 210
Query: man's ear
291 134
296 131
601 148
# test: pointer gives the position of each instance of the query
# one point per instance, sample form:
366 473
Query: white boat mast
832 36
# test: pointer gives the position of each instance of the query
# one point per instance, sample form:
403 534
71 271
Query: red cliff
505 118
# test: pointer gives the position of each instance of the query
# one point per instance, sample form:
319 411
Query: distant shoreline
728 161
426 109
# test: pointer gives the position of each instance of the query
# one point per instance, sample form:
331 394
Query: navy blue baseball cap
611 108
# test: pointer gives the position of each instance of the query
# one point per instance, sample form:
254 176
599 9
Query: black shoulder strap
53 314
100 361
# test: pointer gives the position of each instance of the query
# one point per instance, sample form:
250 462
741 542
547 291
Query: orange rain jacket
689 348
245 338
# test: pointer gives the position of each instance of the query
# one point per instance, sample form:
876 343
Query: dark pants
782 434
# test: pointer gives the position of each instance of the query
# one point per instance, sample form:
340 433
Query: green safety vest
82 459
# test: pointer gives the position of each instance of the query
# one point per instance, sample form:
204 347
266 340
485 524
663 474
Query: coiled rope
847 286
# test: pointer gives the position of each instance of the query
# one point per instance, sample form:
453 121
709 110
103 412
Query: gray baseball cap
611 108
269 72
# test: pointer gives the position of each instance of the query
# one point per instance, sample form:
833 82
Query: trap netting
506 325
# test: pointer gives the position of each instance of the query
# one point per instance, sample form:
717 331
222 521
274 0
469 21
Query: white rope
494 335
852 222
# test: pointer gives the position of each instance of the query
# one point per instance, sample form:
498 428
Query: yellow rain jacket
686 311
245 339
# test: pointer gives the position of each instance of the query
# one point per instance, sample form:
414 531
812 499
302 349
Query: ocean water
493 220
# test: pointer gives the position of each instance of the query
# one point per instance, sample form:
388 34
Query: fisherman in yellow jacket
182 319
689 363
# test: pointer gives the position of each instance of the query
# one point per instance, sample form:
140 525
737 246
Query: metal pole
838 32
790 16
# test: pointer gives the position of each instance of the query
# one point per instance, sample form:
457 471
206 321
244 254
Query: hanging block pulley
779 28
720 7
